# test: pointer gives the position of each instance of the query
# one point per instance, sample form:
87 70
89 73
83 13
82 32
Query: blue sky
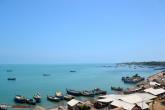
81 31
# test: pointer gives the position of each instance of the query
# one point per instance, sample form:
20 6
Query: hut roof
123 104
155 91
73 102
152 83
137 97
128 106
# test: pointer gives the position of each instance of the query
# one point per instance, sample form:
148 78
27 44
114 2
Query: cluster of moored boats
59 96
23 100
134 79
72 93
89 93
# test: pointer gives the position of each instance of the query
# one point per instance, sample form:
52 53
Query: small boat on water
20 99
3 107
46 74
68 97
11 79
98 91
9 70
116 88
107 66
53 98
88 93
30 101
59 95
73 92
37 98
72 71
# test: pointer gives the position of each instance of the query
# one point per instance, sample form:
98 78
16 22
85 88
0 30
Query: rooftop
73 102
155 91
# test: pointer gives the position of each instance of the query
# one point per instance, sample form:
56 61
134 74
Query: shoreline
155 104
56 104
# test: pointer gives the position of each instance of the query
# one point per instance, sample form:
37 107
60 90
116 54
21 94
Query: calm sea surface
30 79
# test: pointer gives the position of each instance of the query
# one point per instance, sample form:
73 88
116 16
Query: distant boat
9 70
46 74
53 98
72 71
107 66
12 79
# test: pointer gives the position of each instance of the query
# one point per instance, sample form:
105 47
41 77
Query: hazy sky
81 31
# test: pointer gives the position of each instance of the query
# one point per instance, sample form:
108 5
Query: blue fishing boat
73 92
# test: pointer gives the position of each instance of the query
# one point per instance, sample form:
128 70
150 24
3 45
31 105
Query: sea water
30 79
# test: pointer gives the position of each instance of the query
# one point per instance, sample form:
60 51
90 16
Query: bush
84 107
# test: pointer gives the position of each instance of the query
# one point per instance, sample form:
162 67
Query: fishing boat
134 79
88 93
30 101
73 92
68 97
72 71
20 99
116 88
9 70
98 91
46 74
11 79
107 66
53 98
37 98
3 107
59 95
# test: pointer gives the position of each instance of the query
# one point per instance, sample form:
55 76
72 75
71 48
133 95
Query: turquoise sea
30 79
